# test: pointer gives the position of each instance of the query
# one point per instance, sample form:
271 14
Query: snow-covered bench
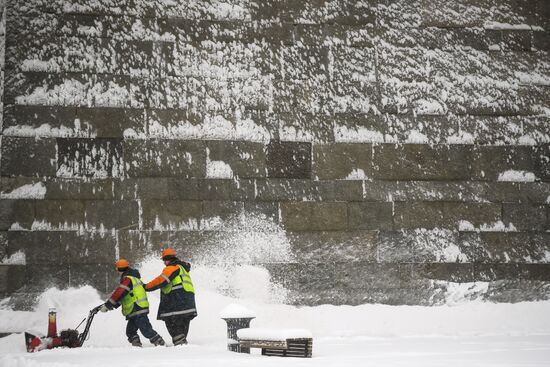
283 343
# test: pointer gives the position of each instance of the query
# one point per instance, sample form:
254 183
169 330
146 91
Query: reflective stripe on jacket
136 296
182 280
177 296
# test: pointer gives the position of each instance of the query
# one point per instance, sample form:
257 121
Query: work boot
158 341
180 341
136 342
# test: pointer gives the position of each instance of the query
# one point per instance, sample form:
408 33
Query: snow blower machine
67 338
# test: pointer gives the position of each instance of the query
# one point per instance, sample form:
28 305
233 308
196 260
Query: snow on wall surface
396 148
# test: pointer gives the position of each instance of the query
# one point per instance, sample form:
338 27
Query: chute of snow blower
67 338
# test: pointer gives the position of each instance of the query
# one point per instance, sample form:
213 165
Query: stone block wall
402 146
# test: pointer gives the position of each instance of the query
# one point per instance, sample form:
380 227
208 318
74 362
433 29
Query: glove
186 266
103 308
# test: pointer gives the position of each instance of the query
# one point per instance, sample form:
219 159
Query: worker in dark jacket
131 295
177 299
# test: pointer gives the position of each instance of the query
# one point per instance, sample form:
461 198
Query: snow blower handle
82 337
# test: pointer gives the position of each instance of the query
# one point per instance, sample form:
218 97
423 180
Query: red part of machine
67 338
35 343
52 323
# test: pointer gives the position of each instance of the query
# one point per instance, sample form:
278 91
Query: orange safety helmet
122 264
168 253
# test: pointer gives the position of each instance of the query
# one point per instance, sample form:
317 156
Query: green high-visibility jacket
137 296
182 280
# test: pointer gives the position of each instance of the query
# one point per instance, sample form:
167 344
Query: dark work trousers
141 323
178 327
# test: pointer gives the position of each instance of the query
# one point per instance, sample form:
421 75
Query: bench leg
237 348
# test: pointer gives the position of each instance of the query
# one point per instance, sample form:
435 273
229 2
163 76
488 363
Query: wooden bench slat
279 344
284 348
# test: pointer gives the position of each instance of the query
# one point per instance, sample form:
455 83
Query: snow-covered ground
464 334
501 351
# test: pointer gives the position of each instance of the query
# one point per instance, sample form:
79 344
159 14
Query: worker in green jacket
130 293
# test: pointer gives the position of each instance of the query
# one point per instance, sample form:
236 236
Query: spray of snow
459 293
30 191
236 264
231 272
